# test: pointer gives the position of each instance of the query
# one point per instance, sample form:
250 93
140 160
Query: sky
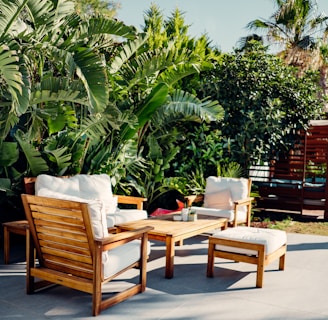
224 21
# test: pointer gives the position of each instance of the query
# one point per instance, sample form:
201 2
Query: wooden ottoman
247 244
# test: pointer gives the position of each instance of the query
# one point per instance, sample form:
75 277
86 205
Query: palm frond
98 26
126 52
57 89
177 72
183 105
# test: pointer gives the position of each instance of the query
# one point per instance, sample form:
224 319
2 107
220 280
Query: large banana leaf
10 69
35 161
186 105
125 52
10 10
60 158
92 73
157 97
38 12
8 154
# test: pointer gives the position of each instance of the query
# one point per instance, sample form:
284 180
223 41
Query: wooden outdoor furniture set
74 248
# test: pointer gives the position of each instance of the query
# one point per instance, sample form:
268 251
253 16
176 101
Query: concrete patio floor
299 292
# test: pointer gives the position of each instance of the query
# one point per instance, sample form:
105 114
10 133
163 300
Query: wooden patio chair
226 198
69 253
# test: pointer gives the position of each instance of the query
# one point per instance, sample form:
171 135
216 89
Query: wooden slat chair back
68 253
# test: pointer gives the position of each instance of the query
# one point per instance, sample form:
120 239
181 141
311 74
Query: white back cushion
68 186
219 200
238 188
97 186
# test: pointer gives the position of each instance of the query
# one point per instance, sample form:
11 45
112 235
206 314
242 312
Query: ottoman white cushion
272 239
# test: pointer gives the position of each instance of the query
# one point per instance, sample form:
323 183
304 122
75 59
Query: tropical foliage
297 31
76 99
84 93
265 103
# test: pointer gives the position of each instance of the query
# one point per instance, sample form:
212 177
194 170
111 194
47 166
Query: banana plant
53 72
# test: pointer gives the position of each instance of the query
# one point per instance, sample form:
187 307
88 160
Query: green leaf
8 154
156 98
60 157
92 73
36 163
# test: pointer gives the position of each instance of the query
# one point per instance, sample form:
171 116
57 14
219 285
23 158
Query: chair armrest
118 239
138 201
194 198
244 201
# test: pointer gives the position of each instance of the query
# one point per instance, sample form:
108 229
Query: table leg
6 241
170 251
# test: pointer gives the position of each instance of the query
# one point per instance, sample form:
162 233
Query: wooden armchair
70 253
227 198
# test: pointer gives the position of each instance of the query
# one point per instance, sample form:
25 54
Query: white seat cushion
272 239
229 214
125 215
121 257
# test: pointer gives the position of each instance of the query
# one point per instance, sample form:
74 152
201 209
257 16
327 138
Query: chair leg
282 262
30 263
210 259
260 268
97 294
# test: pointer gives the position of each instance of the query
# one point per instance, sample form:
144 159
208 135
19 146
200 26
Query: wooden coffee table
170 232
